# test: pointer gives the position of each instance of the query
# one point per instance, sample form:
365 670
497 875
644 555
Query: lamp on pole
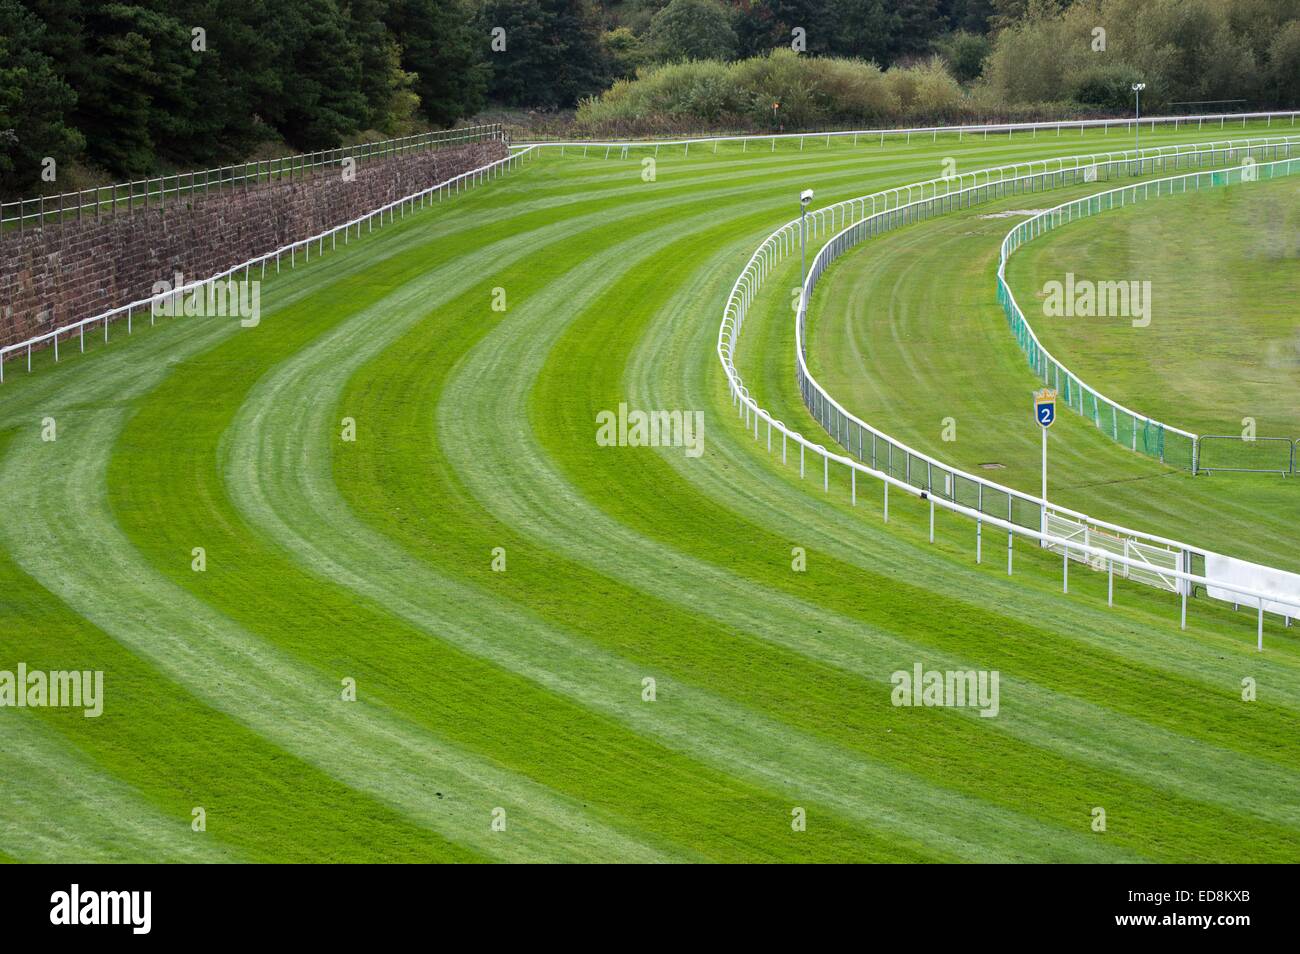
805 199
1137 124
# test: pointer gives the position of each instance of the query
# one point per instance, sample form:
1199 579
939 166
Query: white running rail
1146 122
448 188
1139 556
138 193
1111 417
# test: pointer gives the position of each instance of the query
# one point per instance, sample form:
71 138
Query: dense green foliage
1186 51
129 87
34 100
1013 59
692 30
185 82
782 90
552 51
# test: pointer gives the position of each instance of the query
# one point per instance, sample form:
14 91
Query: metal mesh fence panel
1272 455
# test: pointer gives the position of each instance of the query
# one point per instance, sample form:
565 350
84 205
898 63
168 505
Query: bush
1184 50
811 92
965 54
1107 87
852 91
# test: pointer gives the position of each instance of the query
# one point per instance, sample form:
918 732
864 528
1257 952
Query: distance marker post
1045 416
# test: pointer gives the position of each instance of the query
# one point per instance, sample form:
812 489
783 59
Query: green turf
523 689
906 331
1222 345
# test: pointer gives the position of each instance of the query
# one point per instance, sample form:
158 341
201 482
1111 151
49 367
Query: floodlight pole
803 256
1137 122
805 200
1137 119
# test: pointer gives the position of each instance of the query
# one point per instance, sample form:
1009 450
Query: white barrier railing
1136 554
961 131
450 187
139 192
1171 445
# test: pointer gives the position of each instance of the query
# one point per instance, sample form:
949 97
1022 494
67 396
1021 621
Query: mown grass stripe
91 566
743 682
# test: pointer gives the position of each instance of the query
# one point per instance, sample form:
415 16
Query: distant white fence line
1139 556
447 188
961 131
1171 445
138 193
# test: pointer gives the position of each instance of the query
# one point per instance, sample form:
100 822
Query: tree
552 55
1284 66
382 78
321 99
692 30
964 53
446 50
1105 86
971 16
864 29
918 24
771 24
624 52
34 102
237 78
115 97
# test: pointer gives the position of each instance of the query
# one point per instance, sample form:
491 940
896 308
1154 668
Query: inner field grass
523 689
906 331
1224 268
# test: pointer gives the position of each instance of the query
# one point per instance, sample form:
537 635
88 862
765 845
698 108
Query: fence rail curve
1143 557
448 187
907 132
1171 445
156 188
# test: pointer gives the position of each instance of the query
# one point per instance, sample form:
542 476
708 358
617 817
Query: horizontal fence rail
1171 445
1221 120
1142 557
128 196
441 190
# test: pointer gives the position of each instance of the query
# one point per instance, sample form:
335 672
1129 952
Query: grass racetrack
905 332
524 690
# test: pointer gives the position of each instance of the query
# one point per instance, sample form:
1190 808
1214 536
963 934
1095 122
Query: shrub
1108 86
965 54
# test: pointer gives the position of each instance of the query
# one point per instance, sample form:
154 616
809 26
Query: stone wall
55 275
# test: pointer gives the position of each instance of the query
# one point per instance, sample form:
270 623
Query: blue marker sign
1045 407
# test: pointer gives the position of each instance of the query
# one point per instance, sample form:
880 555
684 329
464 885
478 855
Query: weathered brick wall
59 274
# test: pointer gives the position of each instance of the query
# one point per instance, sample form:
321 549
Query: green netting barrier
1171 445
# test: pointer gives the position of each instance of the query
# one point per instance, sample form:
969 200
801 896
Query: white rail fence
442 190
138 193
1171 445
1221 120
1141 557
